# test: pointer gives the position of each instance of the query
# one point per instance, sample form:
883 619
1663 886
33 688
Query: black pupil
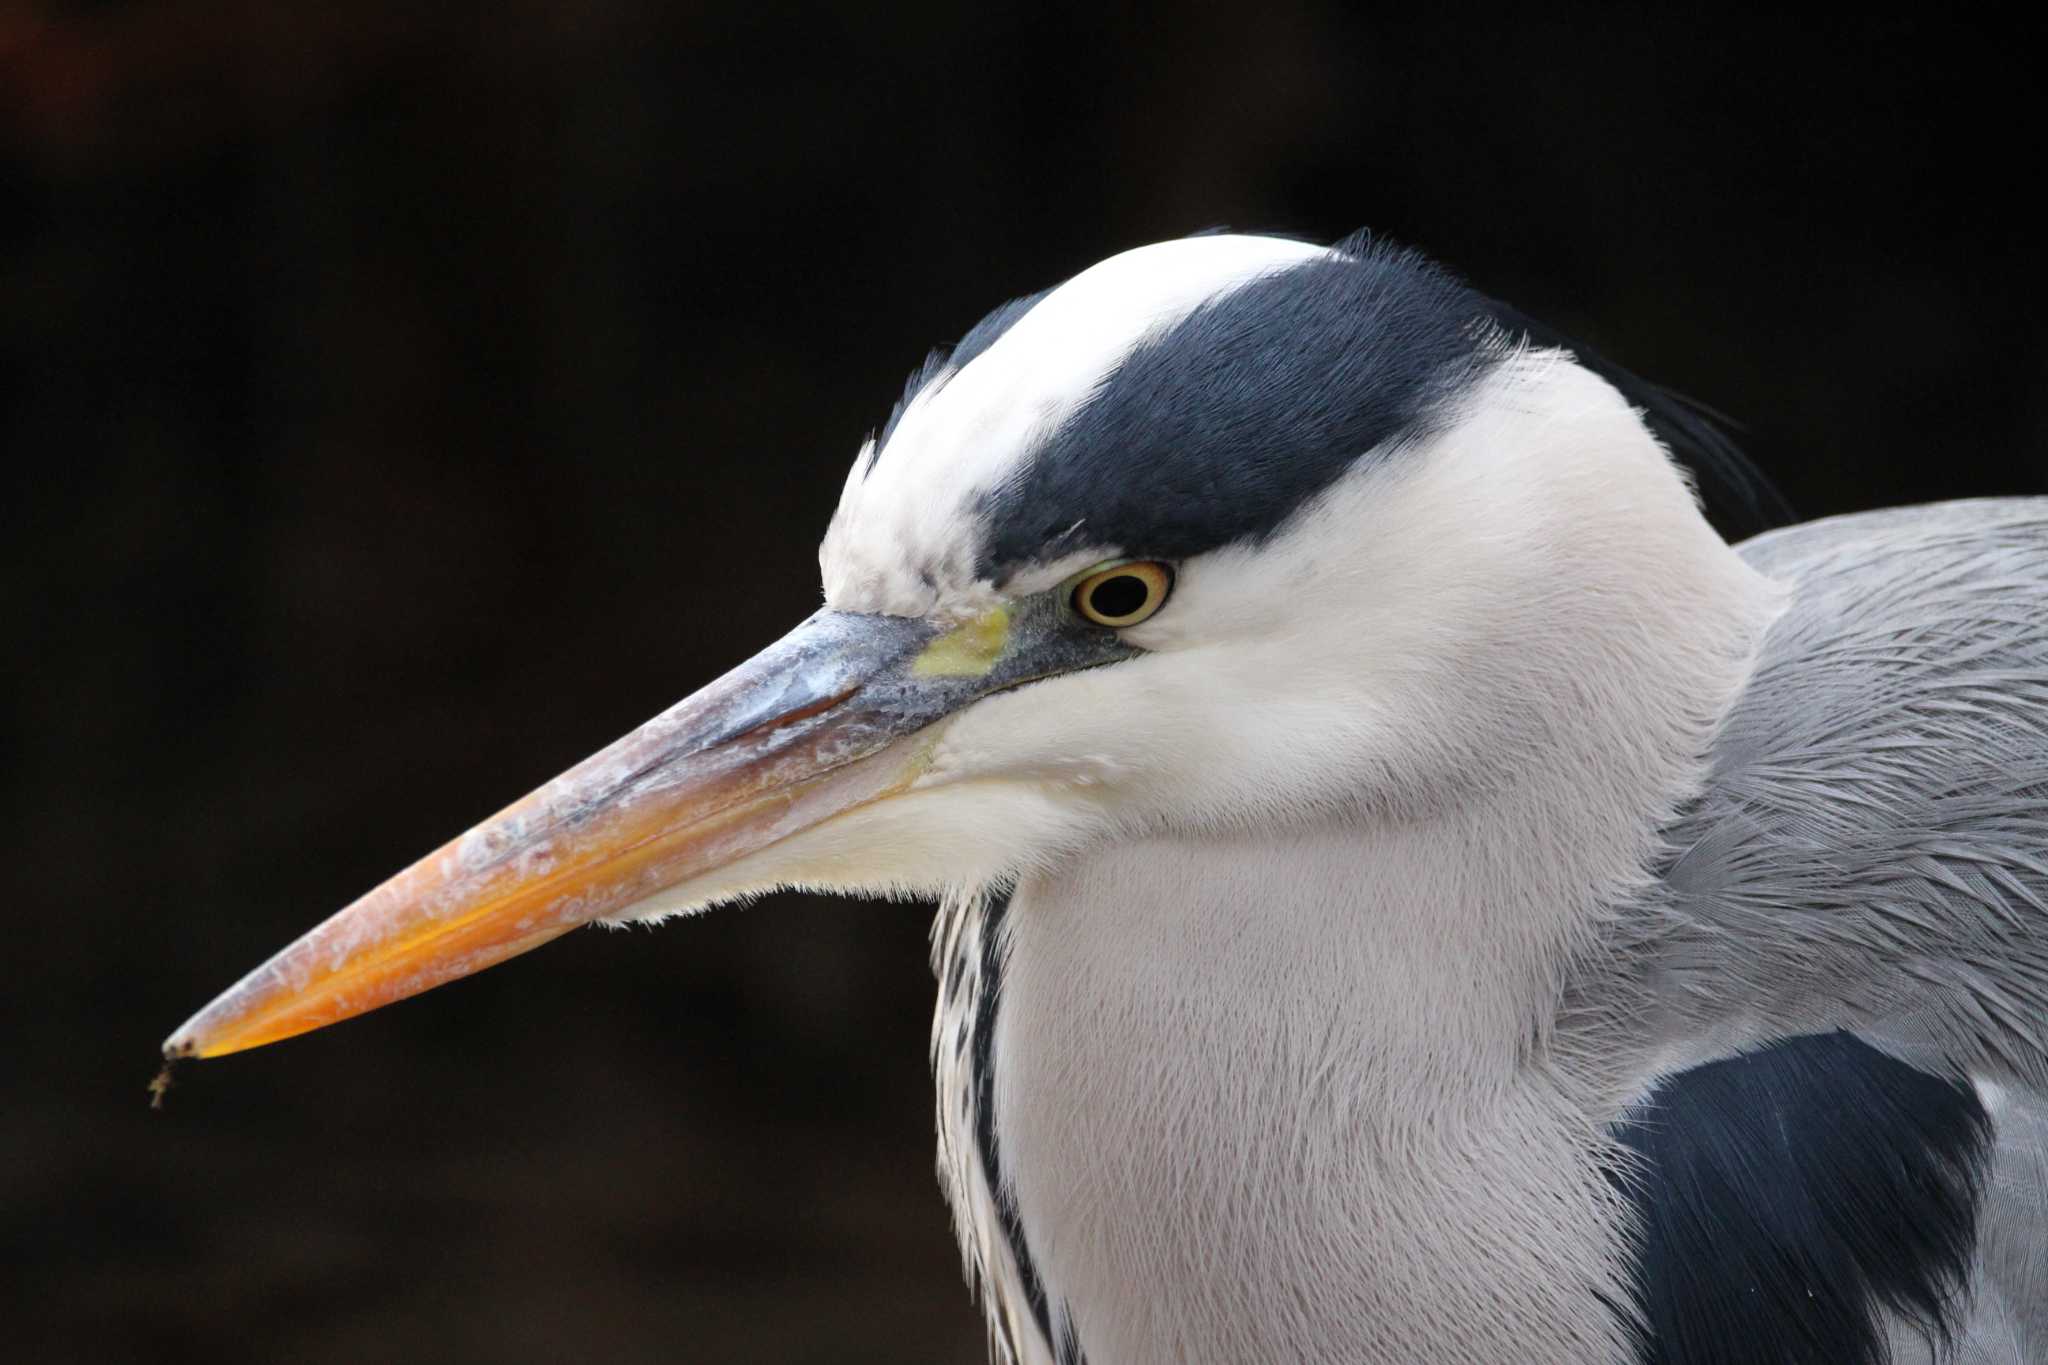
1119 596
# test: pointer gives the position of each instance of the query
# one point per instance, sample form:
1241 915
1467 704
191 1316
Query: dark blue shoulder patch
1216 429
1788 1195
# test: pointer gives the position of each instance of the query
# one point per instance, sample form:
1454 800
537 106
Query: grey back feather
2006 1319
1871 849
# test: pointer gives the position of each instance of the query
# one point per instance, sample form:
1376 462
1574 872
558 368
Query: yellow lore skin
967 651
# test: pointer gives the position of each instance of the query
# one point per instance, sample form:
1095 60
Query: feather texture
1870 851
1798 1201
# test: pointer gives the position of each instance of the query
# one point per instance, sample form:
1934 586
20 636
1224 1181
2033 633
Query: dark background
399 408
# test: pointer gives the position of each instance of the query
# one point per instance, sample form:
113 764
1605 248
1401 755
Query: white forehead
904 538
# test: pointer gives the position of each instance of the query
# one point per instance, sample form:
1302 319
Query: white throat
1257 1085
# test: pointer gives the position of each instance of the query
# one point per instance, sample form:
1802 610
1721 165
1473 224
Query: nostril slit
816 708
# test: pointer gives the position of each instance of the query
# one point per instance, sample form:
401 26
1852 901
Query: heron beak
814 726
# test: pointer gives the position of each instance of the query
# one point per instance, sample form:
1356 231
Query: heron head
1222 533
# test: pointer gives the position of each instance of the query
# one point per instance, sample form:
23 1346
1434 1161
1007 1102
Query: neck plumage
1318 1083
1325 1091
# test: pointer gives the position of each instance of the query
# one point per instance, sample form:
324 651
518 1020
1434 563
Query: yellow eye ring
1119 595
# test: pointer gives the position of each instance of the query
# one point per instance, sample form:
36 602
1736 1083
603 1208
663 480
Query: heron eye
1123 594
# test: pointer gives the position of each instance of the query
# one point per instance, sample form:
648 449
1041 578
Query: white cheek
1062 731
1197 736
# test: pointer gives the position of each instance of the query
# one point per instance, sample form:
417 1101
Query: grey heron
1409 890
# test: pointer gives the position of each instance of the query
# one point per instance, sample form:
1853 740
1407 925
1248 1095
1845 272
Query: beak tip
181 1044
197 1037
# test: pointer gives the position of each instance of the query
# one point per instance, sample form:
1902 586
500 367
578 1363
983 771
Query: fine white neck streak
1314 1088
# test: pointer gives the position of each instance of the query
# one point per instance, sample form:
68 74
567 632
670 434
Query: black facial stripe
1219 427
